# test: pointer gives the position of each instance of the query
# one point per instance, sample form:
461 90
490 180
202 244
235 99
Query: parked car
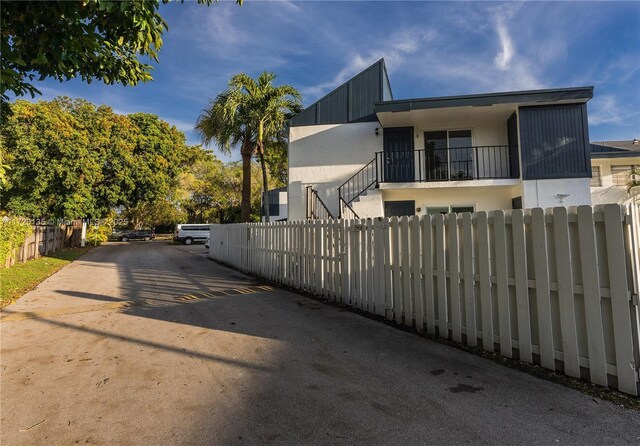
144 234
189 233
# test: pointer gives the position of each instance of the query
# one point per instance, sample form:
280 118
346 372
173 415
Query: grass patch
22 277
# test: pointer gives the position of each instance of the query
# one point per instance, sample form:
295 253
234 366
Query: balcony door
398 155
448 155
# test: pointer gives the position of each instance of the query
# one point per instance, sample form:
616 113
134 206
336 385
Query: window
399 208
438 210
620 175
448 154
460 209
447 209
596 179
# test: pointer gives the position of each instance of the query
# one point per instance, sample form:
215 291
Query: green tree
226 123
250 114
103 40
70 159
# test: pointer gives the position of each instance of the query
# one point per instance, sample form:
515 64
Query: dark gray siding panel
554 142
366 88
351 102
305 117
387 94
334 108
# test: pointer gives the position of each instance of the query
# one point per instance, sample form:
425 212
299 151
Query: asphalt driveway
152 343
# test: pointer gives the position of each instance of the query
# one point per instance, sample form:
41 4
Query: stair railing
355 186
316 209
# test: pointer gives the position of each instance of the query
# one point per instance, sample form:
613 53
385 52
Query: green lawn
22 277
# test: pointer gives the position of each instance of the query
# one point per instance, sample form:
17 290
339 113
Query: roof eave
530 97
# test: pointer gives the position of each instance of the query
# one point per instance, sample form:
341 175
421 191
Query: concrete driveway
152 343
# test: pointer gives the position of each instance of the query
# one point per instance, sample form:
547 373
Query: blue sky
430 48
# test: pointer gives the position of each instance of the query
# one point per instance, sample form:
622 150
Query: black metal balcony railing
316 209
460 163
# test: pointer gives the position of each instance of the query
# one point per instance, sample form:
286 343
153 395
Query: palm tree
251 114
271 107
227 123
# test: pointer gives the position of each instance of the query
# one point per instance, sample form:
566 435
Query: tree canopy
107 40
71 159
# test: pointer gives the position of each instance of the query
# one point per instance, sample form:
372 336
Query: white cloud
604 109
503 58
397 51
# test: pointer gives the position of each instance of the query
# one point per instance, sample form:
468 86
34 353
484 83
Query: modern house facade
611 164
358 153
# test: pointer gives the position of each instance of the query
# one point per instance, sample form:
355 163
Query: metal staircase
316 209
355 187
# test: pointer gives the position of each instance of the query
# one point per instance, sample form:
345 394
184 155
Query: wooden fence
558 287
45 239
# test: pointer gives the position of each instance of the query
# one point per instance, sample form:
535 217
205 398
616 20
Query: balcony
448 164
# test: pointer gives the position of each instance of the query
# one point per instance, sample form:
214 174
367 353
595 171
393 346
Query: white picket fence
558 287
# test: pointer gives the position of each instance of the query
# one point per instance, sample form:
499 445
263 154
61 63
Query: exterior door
398 155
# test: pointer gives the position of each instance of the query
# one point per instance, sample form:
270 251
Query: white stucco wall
546 193
325 156
608 192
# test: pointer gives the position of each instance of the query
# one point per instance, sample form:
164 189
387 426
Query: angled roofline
341 105
487 99
624 154
360 73
601 150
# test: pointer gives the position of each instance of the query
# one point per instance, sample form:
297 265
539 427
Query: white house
357 152
611 164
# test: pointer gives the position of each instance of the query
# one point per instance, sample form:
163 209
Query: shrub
98 234
13 233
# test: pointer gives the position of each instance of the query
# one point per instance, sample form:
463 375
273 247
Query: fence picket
395 269
454 278
416 276
502 282
427 273
378 267
441 278
388 273
522 289
468 280
485 281
405 257
369 265
543 299
565 293
620 306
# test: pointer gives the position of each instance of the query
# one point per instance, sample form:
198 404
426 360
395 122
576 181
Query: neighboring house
277 204
611 164
363 154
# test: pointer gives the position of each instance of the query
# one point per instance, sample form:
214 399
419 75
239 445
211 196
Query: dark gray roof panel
334 108
599 150
387 94
351 102
576 94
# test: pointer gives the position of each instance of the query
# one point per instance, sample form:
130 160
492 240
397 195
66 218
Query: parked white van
189 233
